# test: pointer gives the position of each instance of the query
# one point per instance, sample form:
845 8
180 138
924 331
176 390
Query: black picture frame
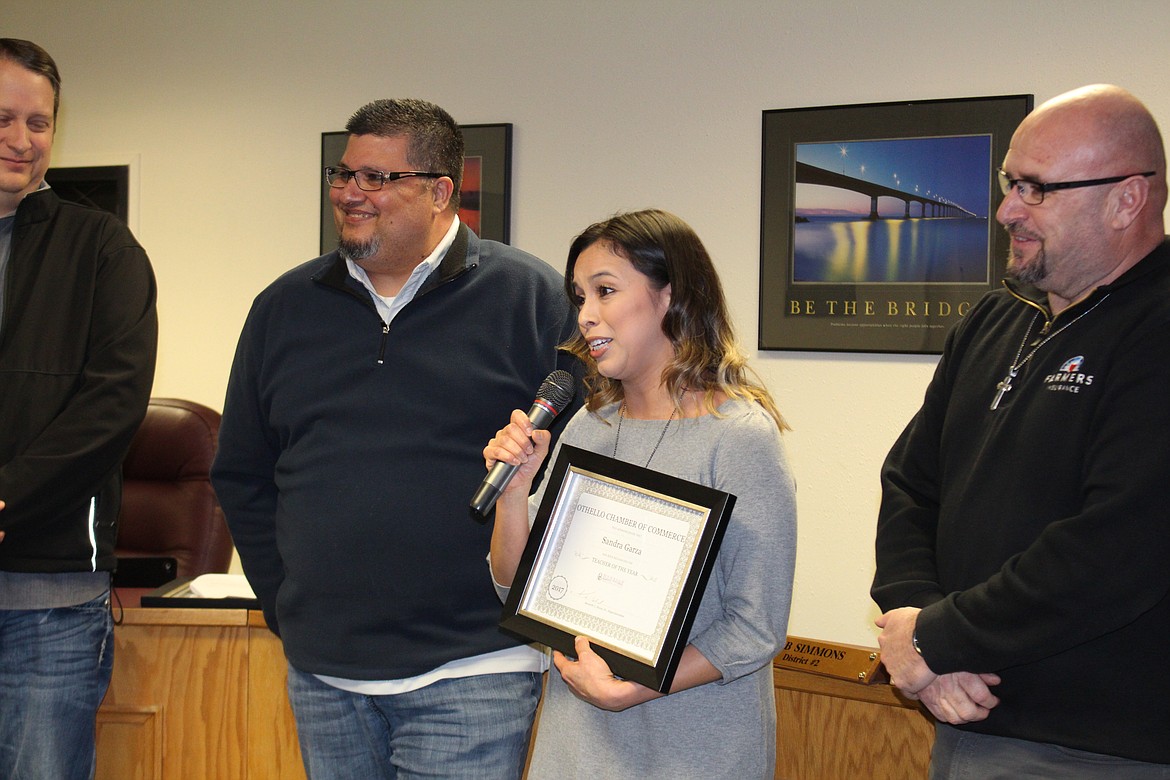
621 530
896 279
486 193
105 187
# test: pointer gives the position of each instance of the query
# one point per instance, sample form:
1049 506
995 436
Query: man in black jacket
1023 540
78 333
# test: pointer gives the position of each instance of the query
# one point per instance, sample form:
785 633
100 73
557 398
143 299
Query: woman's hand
591 681
519 444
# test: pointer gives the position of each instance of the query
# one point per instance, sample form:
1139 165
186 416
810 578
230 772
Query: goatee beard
358 250
1034 273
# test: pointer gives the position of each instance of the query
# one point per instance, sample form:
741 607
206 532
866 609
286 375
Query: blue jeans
55 666
465 727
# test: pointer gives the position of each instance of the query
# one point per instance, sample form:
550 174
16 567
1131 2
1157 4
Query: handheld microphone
555 393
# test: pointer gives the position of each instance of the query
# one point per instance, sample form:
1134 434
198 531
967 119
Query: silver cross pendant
1002 388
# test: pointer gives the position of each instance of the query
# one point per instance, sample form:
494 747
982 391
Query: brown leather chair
169 509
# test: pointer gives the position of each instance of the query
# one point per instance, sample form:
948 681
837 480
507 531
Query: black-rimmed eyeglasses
369 180
1032 192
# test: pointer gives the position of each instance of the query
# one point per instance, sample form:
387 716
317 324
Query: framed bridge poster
877 221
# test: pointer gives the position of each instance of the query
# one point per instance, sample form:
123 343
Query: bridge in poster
930 208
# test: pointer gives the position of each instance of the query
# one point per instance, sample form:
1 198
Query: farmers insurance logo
1069 378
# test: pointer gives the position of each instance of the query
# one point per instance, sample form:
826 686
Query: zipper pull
382 346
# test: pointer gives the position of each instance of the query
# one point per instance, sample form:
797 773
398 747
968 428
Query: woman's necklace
661 436
1006 383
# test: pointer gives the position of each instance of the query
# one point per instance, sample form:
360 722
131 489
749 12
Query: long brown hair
707 357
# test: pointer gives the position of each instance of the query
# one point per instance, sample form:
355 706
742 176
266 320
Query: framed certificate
620 554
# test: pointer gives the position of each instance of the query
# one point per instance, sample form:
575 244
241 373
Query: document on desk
206 591
221 586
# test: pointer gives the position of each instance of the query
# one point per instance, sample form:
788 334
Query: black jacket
1035 537
77 354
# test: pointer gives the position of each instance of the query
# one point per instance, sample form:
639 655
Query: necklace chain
1005 385
661 436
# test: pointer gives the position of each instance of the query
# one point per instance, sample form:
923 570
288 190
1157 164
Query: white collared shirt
389 305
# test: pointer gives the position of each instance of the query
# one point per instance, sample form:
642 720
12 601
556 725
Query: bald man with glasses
1023 539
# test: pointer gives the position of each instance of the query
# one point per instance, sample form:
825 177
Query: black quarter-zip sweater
349 452
1036 536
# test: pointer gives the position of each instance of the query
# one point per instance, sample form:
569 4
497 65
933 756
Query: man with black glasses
1023 537
363 388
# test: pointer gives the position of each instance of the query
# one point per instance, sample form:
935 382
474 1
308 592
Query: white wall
619 104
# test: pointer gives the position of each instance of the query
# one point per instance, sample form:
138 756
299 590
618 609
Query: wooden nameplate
832 659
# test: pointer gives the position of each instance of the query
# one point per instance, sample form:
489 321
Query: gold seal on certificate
620 554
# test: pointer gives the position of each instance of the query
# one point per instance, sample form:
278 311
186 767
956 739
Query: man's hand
908 672
961 697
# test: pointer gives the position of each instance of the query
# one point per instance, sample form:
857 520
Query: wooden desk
199 694
830 729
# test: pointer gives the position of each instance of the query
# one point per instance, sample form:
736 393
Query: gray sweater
726 728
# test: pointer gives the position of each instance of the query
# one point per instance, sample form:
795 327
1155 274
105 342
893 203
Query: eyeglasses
1032 192
371 181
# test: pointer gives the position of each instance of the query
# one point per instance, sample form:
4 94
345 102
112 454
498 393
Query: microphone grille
557 389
